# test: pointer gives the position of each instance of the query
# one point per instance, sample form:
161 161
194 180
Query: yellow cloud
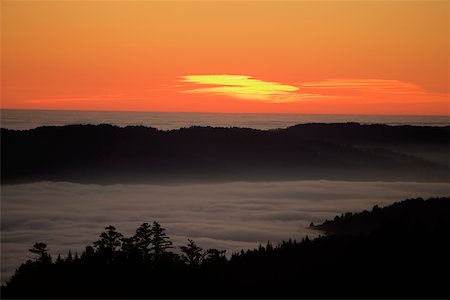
242 87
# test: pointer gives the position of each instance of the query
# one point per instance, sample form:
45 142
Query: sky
312 57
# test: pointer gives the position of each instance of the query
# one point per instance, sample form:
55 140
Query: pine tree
269 247
41 250
160 242
215 256
69 257
109 241
58 259
192 254
143 239
88 253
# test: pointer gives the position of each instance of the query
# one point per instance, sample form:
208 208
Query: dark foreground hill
110 154
403 252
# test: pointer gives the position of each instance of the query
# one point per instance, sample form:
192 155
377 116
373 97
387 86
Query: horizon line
227 113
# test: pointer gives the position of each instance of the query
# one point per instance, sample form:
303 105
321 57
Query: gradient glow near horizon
325 57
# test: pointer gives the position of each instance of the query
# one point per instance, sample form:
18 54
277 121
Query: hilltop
111 154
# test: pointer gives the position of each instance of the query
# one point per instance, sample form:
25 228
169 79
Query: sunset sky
356 57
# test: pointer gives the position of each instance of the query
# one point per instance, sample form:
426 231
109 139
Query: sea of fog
229 216
27 119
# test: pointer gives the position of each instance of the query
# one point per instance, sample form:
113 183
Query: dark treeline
407 215
400 251
110 154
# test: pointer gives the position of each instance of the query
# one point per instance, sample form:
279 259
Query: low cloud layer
228 216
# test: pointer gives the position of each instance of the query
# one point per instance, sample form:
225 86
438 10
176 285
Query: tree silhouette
215 256
88 253
109 241
214 253
192 254
270 271
160 242
69 257
58 259
130 250
41 250
142 239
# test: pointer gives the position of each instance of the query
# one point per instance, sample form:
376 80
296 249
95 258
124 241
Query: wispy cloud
355 89
381 89
243 87
84 99
71 98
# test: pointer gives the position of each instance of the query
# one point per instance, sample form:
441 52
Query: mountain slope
110 154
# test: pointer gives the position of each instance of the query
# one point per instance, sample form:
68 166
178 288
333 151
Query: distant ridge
111 154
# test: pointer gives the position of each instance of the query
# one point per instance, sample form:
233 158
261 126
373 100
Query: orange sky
379 57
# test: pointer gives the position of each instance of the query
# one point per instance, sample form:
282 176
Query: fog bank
228 216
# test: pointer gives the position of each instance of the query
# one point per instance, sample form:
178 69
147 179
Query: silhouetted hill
402 253
357 134
110 154
402 215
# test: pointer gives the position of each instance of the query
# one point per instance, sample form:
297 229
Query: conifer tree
192 254
160 242
108 242
88 253
41 250
143 239
69 257
58 259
